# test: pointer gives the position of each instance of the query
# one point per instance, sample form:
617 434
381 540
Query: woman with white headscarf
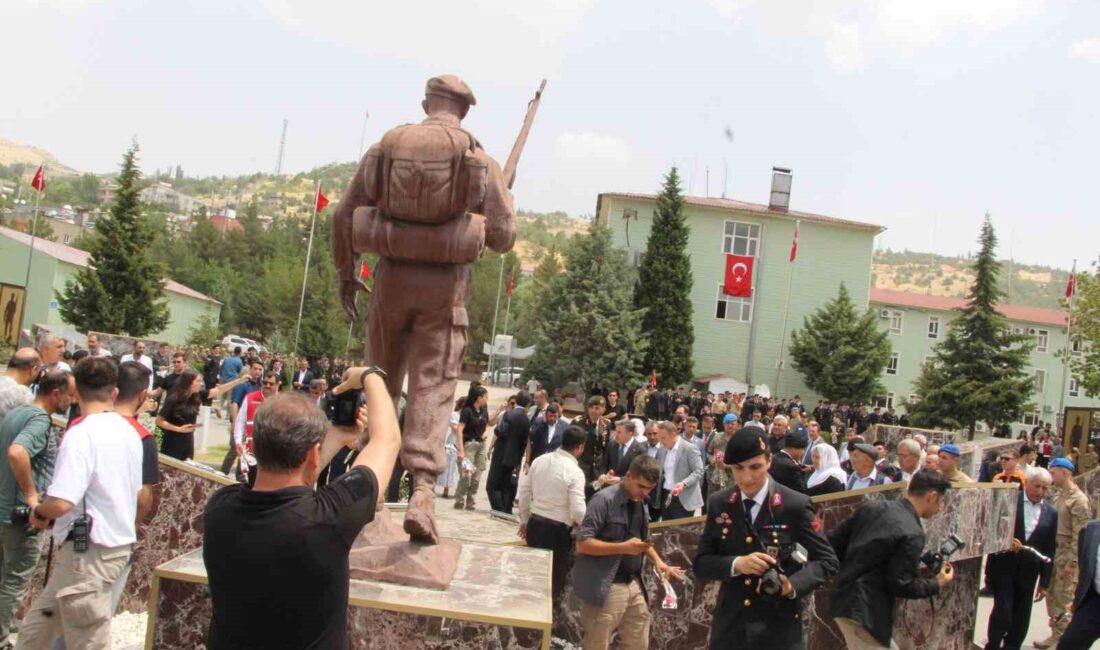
827 477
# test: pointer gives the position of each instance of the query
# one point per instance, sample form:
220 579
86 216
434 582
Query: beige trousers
76 602
624 610
857 637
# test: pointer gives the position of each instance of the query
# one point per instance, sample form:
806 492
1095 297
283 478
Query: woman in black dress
181 409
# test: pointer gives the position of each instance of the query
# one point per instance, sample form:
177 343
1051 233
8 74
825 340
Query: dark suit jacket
542 442
1087 542
743 617
1042 539
788 472
514 431
304 387
615 460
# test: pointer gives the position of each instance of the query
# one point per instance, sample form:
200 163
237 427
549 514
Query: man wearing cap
423 198
786 469
718 473
1073 515
949 464
864 472
752 527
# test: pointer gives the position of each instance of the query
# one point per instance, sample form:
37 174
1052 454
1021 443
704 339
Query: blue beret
952 449
1062 462
729 417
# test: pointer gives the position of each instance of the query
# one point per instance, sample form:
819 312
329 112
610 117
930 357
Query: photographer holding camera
759 540
92 502
879 549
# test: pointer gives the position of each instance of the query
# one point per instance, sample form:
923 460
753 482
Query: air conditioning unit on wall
884 313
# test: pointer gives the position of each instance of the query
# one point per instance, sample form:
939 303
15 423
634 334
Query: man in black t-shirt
277 553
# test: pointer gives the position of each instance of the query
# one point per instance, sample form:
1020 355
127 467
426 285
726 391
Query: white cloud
1088 48
591 149
853 32
501 39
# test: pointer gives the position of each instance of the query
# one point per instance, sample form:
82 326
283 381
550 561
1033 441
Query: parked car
236 340
504 377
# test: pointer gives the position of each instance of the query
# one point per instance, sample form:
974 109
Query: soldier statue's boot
420 517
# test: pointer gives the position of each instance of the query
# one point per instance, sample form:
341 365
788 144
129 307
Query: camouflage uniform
1073 514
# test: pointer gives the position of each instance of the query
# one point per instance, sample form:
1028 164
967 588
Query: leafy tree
485 280
121 290
664 288
43 230
587 328
978 373
1086 332
841 353
204 331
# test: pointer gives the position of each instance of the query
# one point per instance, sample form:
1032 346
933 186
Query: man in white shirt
94 348
551 504
15 382
681 474
139 356
908 458
93 504
50 348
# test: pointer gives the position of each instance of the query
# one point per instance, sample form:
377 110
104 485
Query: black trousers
1013 582
674 510
553 536
1084 627
500 488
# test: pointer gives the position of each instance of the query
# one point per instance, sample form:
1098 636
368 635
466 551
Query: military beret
448 85
797 438
1062 462
867 449
729 417
743 445
952 449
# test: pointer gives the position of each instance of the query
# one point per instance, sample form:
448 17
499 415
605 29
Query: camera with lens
21 515
343 409
770 582
934 559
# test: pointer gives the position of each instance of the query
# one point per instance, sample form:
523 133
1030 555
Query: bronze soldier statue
427 199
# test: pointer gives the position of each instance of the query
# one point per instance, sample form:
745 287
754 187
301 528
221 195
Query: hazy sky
919 115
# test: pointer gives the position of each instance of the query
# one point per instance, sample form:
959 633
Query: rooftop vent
781 189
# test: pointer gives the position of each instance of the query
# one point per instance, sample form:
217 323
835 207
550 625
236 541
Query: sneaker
1047 643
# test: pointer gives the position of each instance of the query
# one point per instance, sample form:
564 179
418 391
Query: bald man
16 380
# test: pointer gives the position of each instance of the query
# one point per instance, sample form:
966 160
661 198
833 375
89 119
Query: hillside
15 153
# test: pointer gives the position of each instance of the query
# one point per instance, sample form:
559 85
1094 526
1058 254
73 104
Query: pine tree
840 353
587 328
978 373
664 288
122 288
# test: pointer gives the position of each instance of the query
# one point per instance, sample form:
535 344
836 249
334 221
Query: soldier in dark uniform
752 527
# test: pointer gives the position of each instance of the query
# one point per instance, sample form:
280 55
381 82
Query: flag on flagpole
364 270
511 284
1071 286
794 244
322 200
39 180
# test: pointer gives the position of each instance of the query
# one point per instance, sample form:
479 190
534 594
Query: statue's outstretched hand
349 291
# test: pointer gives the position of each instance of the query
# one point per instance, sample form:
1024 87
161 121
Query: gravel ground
128 631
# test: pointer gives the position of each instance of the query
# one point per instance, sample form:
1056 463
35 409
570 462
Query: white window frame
751 243
899 316
913 398
731 303
1074 388
893 363
1044 337
67 239
1030 419
885 401
1077 347
1040 383
934 332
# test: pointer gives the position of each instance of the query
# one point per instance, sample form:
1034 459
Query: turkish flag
1071 286
738 282
794 244
364 270
322 200
39 180
511 284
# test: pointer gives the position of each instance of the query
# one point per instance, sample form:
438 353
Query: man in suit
622 451
1084 628
302 376
785 468
813 430
752 527
681 474
655 450
509 443
546 432
1012 574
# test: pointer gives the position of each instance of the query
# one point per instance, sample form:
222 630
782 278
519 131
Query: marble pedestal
499 599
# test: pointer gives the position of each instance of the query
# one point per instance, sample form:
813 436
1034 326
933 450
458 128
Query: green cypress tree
664 288
122 288
586 328
840 353
978 373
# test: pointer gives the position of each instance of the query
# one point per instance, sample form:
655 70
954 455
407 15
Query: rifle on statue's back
521 139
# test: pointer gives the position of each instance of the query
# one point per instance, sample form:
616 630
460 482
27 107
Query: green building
55 264
737 340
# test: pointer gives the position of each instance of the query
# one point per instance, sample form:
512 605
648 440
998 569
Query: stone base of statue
383 553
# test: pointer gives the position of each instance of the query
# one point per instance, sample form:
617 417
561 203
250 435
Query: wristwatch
373 370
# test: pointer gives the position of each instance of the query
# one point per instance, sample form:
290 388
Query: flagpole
305 275
786 313
30 256
496 312
1067 350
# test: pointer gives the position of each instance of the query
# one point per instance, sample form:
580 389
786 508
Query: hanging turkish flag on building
39 180
738 282
322 200
794 244
511 284
364 270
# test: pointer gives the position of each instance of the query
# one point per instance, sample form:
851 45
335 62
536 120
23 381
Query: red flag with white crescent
1071 286
322 200
794 244
39 180
738 281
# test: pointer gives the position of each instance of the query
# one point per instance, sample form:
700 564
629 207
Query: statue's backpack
426 173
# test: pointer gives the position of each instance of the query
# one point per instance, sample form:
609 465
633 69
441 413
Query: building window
67 239
1031 419
1040 380
885 401
1074 389
1077 347
892 364
735 309
933 327
914 398
895 322
741 239
1041 339
928 358
638 257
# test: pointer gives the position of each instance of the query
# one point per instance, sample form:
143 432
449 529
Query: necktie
749 505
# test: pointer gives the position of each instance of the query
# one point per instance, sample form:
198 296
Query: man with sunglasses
236 399
242 425
1010 469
